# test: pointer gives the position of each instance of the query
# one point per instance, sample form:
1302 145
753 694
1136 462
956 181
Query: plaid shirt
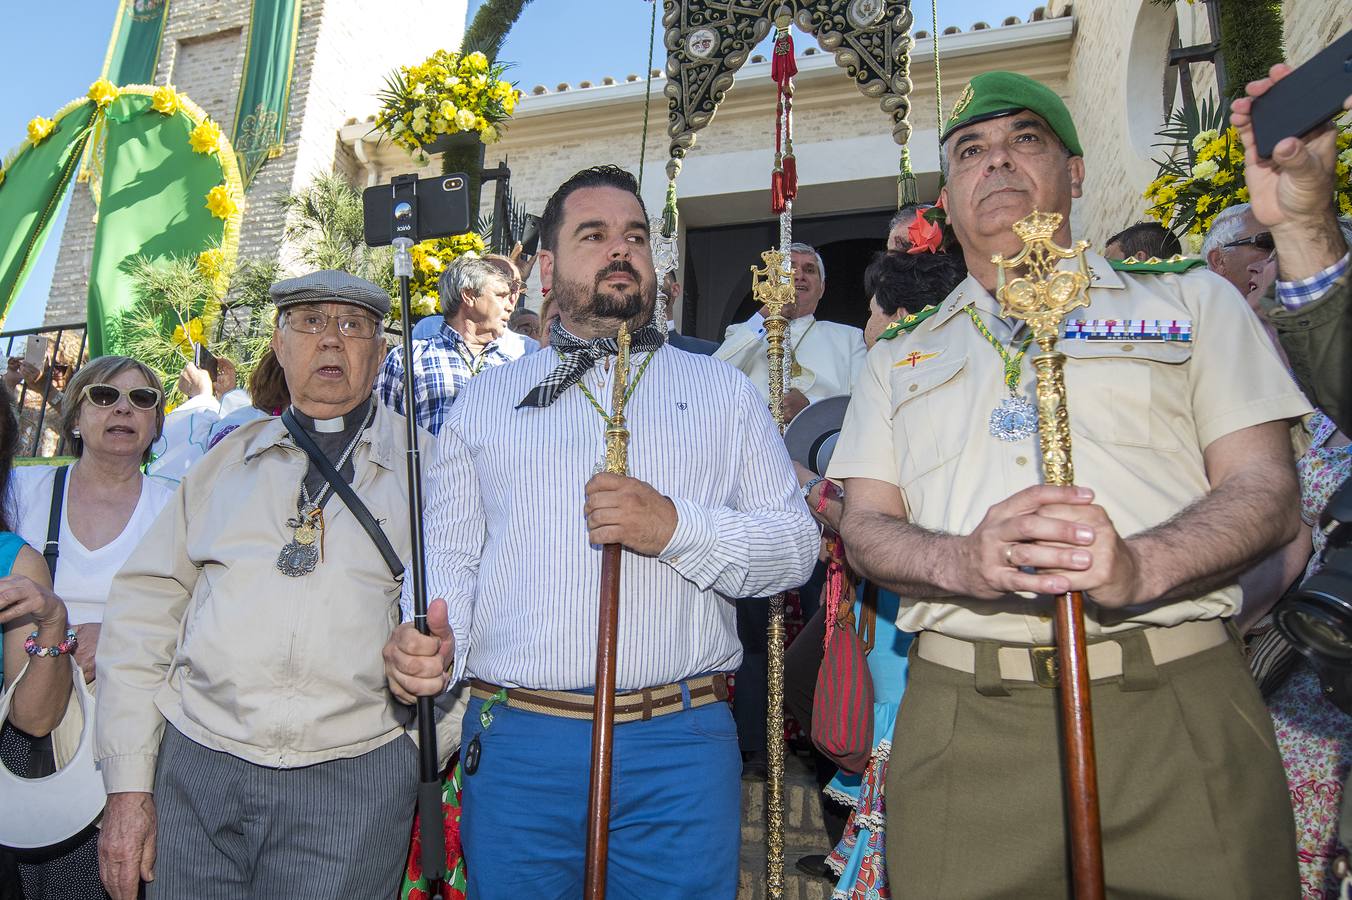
1295 294
442 365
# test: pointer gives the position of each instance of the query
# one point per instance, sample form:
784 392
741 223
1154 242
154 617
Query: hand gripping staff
1042 298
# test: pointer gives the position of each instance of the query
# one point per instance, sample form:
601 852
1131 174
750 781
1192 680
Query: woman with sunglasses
113 412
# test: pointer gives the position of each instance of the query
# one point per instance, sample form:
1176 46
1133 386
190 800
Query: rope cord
647 95
938 87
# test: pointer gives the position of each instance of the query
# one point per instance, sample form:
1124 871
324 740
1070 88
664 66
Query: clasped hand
1050 540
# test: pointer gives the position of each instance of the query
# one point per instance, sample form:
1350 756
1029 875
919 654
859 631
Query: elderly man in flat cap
248 742
1184 479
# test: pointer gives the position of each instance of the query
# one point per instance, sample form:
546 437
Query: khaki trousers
1192 794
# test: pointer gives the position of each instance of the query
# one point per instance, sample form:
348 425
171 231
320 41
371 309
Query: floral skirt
858 859
1315 740
454 887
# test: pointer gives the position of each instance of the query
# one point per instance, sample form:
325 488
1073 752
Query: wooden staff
1042 299
607 631
772 286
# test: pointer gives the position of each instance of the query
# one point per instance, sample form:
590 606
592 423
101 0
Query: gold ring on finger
1009 555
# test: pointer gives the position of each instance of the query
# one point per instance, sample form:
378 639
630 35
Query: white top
507 541
188 431
83 576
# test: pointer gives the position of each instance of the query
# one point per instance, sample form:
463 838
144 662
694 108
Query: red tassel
777 202
782 64
790 177
834 589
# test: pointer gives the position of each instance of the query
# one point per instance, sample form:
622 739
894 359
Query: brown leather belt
1038 663
630 706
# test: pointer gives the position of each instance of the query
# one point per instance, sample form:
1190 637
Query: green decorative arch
164 177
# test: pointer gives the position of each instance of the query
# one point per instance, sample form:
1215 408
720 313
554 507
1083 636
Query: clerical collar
347 422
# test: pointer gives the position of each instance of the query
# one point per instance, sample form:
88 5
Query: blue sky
551 43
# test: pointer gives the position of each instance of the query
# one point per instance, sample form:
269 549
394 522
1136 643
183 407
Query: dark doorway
718 268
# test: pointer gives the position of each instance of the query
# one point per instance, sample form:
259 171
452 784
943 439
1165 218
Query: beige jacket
203 631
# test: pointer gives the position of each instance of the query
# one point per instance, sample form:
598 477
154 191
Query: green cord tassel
669 210
907 191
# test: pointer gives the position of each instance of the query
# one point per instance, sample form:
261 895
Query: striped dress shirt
507 539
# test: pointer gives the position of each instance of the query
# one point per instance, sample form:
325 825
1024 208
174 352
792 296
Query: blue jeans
675 823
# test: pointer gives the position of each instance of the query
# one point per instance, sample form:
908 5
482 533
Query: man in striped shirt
516 519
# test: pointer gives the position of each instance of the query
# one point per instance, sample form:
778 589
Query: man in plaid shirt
477 300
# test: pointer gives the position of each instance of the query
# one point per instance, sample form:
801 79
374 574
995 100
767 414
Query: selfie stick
430 821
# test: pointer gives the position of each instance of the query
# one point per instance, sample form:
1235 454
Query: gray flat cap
331 286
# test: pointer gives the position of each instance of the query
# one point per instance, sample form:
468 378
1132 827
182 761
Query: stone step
803 834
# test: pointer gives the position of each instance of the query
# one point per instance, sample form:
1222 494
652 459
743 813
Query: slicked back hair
1152 238
597 176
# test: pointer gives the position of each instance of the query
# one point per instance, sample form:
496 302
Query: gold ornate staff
772 286
607 630
1042 298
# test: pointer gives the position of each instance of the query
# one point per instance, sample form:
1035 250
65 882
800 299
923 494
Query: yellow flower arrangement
212 262
220 203
446 94
38 129
102 92
196 334
205 138
1187 197
430 259
165 100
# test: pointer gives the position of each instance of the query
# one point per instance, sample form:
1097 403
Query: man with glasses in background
1236 241
478 295
247 740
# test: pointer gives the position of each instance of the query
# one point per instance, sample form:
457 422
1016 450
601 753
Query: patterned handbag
842 704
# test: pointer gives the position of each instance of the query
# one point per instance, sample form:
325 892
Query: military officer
1179 409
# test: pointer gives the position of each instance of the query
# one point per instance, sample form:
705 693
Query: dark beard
628 306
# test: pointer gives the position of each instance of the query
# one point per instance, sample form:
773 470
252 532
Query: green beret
993 95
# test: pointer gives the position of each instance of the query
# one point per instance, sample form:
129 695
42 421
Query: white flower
1205 170
1203 138
1346 157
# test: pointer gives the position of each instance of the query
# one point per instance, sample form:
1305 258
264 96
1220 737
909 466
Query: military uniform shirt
1141 415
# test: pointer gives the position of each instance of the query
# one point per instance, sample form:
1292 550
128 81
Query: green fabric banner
265 91
134 49
34 184
153 205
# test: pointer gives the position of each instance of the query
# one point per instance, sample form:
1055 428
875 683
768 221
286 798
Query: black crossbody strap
51 550
344 490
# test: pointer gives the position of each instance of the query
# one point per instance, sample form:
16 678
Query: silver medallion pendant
1014 419
297 559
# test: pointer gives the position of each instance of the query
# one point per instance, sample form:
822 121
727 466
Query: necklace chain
1013 364
304 500
474 362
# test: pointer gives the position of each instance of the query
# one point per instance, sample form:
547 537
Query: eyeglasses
312 321
106 395
1262 240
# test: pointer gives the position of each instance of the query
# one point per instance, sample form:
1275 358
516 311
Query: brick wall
344 50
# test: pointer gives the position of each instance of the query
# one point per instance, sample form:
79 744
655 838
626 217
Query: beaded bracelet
67 646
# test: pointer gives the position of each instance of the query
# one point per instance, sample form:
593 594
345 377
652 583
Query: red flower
924 235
